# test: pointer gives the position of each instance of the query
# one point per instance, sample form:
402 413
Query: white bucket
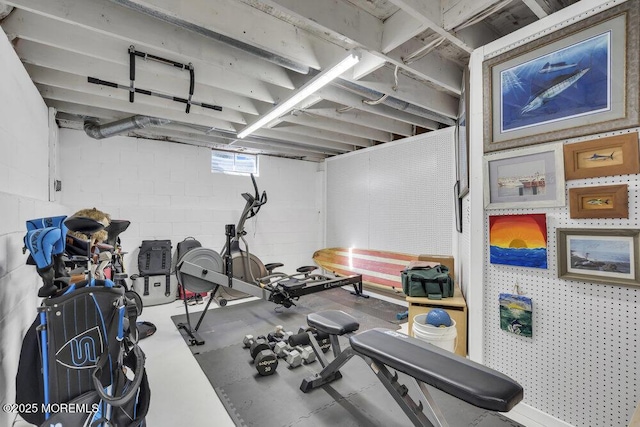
443 337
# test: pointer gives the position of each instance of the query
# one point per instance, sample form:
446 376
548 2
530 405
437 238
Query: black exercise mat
259 317
358 399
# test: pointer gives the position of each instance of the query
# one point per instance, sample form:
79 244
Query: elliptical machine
202 270
247 266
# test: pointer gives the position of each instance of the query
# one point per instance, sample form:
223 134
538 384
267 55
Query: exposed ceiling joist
256 28
59 94
147 33
301 118
333 94
326 134
43 70
250 55
364 119
305 140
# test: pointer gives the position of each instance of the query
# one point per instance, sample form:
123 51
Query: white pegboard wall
581 365
397 196
464 247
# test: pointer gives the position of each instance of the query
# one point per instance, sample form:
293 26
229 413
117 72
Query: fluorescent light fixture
307 89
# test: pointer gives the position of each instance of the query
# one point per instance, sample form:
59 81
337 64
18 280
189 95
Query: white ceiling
247 55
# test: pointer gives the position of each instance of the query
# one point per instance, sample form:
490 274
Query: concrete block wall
168 191
24 194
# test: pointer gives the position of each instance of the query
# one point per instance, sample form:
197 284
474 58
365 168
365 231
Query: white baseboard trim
532 417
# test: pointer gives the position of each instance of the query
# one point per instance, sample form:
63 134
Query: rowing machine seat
462 378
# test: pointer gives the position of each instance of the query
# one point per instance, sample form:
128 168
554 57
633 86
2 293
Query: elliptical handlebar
252 207
256 201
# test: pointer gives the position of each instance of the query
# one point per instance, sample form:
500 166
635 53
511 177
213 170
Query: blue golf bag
89 369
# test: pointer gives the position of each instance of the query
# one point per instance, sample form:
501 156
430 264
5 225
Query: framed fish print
576 81
614 155
605 201
599 255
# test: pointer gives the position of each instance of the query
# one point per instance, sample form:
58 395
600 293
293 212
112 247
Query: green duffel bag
431 282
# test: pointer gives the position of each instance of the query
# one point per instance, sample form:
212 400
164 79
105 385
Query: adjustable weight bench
382 349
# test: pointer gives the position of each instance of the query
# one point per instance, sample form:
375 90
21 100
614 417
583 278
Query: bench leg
329 373
400 394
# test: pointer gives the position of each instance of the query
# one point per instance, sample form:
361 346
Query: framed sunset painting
518 240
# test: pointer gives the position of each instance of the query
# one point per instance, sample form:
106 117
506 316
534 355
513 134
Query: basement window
234 163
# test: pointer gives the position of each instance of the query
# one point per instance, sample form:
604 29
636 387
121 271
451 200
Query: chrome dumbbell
290 355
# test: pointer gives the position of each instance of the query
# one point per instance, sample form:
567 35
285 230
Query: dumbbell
308 356
264 358
291 356
323 338
279 334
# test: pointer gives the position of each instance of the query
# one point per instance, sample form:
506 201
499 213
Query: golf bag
75 356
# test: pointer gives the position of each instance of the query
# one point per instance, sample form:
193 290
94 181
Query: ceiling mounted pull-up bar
132 78
147 56
191 87
132 72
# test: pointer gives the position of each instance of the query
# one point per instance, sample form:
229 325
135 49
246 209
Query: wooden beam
338 96
54 78
306 140
301 118
48 92
363 118
161 38
427 13
411 91
539 8
256 28
326 134
45 73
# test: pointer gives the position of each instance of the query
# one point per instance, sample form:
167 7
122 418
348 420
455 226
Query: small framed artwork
606 201
518 240
614 155
579 80
599 255
516 314
527 178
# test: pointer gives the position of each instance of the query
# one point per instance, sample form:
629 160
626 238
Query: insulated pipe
393 102
260 53
106 130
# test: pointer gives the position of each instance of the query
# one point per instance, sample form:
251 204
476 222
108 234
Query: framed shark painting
577 81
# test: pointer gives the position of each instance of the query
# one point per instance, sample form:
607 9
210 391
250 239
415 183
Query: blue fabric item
57 222
41 243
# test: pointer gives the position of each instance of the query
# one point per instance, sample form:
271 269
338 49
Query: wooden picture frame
531 177
607 256
606 201
614 155
579 80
